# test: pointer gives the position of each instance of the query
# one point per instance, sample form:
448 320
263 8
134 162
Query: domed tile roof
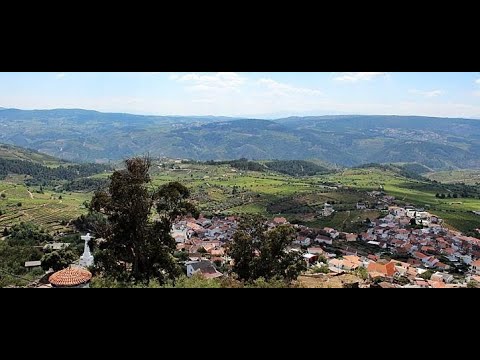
71 276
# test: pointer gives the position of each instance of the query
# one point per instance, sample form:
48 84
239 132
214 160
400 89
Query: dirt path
348 217
31 195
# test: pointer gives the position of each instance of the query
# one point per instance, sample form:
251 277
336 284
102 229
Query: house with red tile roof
71 277
387 269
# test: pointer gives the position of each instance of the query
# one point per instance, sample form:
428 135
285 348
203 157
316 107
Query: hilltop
10 152
343 140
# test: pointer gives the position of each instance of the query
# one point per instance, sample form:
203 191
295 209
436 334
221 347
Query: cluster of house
204 241
422 248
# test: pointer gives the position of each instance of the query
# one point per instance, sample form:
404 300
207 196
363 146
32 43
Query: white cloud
358 76
285 89
477 81
60 75
476 93
429 94
218 81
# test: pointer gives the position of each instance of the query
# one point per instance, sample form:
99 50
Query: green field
22 204
219 189
456 212
469 177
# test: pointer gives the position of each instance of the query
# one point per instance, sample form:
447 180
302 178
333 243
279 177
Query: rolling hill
83 135
10 152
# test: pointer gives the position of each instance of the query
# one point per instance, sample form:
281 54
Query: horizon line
244 117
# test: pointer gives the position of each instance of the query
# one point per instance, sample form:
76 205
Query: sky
261 95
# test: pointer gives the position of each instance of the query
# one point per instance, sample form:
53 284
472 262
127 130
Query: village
407 248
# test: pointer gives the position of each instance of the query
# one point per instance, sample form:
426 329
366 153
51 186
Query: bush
472 284
323 269
426 275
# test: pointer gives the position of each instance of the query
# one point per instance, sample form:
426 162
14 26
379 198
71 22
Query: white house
327 209
204 267
304 241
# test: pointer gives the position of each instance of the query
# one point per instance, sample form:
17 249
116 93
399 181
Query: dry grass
328 281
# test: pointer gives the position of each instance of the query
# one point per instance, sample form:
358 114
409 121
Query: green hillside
90 136
10 152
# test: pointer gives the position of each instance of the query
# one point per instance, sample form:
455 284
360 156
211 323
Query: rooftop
71 276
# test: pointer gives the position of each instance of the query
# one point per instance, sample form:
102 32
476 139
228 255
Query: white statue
87 258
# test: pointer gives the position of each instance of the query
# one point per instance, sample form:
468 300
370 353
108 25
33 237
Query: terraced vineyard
219 189
48 210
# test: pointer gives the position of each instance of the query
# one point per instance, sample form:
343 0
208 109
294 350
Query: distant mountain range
346 140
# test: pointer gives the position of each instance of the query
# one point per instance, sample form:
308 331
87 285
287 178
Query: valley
221 189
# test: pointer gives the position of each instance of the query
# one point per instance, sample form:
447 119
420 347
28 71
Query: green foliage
260 253
93 222
362 273
196 281
240 164
426 275
322 269
42 175
27 234
472 284
16 250
86 184
181 255
58 260
296 167
138 248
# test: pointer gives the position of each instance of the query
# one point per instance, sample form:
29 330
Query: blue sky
247 94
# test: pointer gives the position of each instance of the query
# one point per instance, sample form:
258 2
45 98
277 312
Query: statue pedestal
86 259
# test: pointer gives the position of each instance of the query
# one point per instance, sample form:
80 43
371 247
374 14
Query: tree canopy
258 252
138 244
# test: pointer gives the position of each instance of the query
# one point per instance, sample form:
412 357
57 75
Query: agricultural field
220 189
457 212
51 211
469 177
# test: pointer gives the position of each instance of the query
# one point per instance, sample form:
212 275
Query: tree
455 195
58 260
437 195
426 275
261 253
138 244
442 196
362 273
472 284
